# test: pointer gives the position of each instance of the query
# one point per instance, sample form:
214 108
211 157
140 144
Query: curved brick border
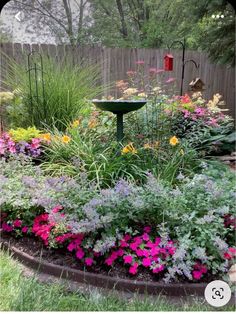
107 282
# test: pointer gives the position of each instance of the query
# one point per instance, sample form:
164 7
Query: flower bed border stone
102 281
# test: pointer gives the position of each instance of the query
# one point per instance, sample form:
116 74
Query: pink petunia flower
6 227
57 208
171 250
109 261
25 229
139 252
227 255
128 259
79 253
120 252
157 240
17 223
88 261
155 251
232 250
133 246
146 237
197 274
123 243
147 229
127 237
133 269
158 269
147 262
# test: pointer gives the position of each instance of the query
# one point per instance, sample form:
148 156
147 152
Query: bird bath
119 107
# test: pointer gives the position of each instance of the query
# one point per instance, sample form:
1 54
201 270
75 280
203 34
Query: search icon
218 293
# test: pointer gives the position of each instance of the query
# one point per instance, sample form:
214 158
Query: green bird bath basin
119 108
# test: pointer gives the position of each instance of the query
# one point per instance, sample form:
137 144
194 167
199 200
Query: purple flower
123 188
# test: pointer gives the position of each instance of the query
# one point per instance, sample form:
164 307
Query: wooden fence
115 62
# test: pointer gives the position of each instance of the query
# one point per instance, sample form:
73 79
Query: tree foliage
156 23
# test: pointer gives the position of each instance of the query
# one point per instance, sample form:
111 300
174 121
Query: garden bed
61 264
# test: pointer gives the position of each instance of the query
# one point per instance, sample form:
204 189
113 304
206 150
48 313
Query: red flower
17 223
185 99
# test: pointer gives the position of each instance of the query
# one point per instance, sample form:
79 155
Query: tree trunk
123 30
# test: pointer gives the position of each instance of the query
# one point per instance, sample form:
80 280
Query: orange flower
46 137
173 141
92 123
185 99
122 84
65 139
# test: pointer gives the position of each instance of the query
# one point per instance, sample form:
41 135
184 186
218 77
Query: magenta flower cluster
137 252
142 251
16 225
8 146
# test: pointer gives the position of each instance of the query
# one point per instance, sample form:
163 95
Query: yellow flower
173 141
129 149
92 123
75 123
130 91
46 137
147 146
65 139
142 95
6 97
156 144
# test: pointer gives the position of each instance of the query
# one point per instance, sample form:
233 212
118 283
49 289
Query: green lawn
18 293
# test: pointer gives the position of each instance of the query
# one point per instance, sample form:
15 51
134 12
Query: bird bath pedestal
119 108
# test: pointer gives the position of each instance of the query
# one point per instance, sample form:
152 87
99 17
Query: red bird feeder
168 62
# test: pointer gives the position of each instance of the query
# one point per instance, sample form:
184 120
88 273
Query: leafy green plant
21 134
57 97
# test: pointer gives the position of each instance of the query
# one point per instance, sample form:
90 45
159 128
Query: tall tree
67 19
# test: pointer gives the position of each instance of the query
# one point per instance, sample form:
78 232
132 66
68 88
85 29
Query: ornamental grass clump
61 96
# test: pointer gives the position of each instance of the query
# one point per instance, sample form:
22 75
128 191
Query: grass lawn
18 293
